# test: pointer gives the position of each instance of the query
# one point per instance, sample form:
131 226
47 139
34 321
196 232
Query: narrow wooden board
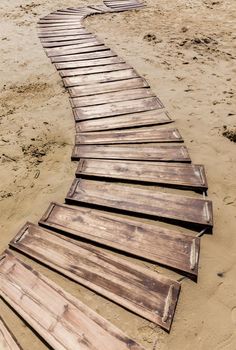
131 286
117 108
83 56
96 69
141 200
140 135
172 174
111 86
89 63
60 319
151 242
7 340
64 33
154 117
62 51
68 38
57 27
72 44
60 21
110 97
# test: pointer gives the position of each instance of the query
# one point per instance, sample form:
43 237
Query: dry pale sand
186 50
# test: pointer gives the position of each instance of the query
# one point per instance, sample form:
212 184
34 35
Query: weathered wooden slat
129 285
139 200
109 97
112 86
72 43
154 117
62 51
151 242
64 34
57 27
7 340
100 77
60 319
155 152
140 135
91 70
117 108
70 38
60 21
89 63
172 174
83 56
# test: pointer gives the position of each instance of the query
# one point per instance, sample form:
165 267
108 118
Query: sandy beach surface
186 49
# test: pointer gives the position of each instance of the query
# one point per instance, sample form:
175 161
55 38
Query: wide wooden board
65 34
141 200
151 242
112 86
60 319
154 117
129 285
62 51
140 135
57 27
153 151
70 38
7 340
71 43
89 63
117 108
172 174
110 97
83 56
91 70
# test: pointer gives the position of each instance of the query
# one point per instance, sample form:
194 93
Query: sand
186 50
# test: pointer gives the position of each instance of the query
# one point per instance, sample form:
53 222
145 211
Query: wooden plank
60 21
42 28
64 38
7 340
173 174
81 57
111 86
61 51
117 108
91 70
72 43
151 242
89 63
64 34
131 286
60 319
154 117
110 97
140 135
141 200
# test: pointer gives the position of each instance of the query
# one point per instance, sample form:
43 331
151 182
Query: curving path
126 146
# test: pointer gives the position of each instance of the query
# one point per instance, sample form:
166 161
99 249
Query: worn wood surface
61 37
81 57
129 285
91 70
161 152
100 77
110 97
89 63
172 174
77 50
112 86
60 319
151 242
141 200
7 340
140 135
117 108
71 43
63 34
154 117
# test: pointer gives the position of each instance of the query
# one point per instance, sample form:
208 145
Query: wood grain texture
110 97
117 108
100 77
136 288
111 86
141 200
173 174
64 34
7 340
91 70
60 319
151 242
70 37
154 117
71 43
77 50
159 152
88 63
82 57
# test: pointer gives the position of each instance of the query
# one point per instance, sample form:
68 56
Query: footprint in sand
233 315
